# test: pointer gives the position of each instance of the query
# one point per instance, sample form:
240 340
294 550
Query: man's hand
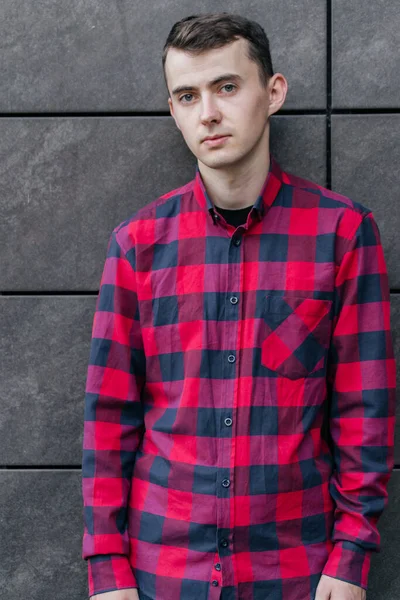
330 588
127 594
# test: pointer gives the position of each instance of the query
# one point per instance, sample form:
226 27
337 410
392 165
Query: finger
322 593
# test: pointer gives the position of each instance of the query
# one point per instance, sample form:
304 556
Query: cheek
255 114
247 116
188 132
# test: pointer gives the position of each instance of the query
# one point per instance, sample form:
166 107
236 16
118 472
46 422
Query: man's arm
113 422
361 379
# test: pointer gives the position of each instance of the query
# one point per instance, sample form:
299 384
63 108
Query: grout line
40 468
71 468
152 114
156 114
35 293
90 294
365 111
329 94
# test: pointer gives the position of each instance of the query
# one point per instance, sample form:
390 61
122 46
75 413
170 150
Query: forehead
183 68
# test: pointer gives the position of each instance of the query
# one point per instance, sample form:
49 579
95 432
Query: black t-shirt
235 216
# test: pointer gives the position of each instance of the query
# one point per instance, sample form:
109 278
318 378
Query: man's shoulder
339 215
327 198
165 205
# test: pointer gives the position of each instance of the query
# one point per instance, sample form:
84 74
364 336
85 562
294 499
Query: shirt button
237 241
231 358
214 583
233 300
218 567
224 543
228 421
226 482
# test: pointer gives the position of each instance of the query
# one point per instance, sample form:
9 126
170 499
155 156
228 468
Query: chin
217 162
222 160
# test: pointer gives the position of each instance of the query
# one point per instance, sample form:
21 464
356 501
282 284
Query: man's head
200 50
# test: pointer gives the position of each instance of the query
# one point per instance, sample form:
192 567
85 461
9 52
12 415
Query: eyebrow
224 77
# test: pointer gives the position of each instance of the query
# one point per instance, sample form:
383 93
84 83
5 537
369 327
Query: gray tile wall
365 57
83 120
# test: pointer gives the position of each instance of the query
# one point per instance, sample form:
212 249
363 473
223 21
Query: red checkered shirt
239 402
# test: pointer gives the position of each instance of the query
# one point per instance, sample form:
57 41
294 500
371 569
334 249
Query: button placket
237 241
232 290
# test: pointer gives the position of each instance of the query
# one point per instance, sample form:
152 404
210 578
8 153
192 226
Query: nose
210 112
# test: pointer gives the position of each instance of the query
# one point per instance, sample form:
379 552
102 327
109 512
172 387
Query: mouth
215 141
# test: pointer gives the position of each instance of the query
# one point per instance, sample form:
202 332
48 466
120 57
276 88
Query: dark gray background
86 139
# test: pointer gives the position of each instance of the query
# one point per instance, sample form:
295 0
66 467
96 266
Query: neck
239 185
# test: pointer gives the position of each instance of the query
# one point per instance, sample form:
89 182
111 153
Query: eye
230 85
184 96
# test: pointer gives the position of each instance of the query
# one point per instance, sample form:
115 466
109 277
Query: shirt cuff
109 572
349 562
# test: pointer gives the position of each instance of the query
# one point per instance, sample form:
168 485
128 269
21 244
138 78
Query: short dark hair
198 33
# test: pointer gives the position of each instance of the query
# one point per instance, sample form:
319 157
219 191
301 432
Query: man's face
236 106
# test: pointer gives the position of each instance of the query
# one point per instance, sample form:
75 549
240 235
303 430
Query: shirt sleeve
113 422
361 383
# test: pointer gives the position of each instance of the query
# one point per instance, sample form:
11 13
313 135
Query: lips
217 137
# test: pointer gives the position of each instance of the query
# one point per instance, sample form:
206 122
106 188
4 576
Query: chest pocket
297 335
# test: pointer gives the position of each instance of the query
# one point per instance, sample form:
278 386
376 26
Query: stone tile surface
44 345
365 167
365 54
86 55
384 579
67 182
41 536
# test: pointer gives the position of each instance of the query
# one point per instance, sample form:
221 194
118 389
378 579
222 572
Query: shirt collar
268 193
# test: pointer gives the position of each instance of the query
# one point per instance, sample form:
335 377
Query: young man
239 409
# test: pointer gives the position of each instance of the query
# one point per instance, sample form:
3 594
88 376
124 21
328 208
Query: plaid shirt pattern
240 397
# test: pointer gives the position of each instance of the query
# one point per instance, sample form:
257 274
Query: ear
278 87
171 110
